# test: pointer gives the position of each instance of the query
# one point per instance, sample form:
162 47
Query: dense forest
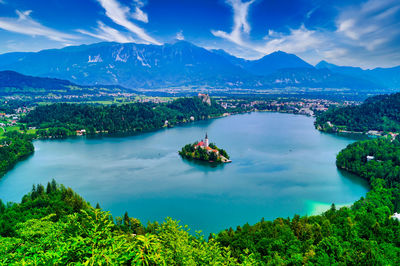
371 159
61 120
54 225
375 113
14 146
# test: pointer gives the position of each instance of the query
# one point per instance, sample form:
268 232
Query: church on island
205 151
205 145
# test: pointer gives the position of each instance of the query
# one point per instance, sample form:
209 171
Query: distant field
12 128
31 131
8 129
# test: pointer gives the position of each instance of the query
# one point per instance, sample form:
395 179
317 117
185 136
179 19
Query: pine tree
2 206
48 188
53 185
126 221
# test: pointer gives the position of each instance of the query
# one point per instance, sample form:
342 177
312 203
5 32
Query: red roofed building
211 150
203 144
200 144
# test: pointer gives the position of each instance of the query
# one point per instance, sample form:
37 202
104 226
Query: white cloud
104 32
297 41
367 35
140 15
334 53
371 32
24 24
180 36
370 25
346 26
120 14
240 23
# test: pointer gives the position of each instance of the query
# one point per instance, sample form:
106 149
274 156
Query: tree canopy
380 113
63 119
13 148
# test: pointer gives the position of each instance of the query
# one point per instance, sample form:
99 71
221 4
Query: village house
81 132
396 216
370 158
393 135
375 133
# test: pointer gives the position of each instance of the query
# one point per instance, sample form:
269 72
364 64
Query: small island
205 151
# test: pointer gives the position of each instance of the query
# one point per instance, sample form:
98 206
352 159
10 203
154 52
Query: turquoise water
281 166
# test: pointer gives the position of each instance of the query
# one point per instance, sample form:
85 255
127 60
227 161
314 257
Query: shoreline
181 125
134 133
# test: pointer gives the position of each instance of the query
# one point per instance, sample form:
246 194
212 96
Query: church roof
201 143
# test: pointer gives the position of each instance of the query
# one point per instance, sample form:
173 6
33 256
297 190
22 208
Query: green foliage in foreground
89 237
53 225
363 234
380 112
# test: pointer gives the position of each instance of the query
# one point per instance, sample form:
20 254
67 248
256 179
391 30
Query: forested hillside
363 234
14 146
60 120
376 113
13 83
383 161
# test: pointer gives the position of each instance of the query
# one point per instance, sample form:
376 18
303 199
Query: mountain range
12 83
181 63
387 77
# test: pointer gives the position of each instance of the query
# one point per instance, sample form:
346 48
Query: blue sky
358 33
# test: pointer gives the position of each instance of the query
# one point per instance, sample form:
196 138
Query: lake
281 166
